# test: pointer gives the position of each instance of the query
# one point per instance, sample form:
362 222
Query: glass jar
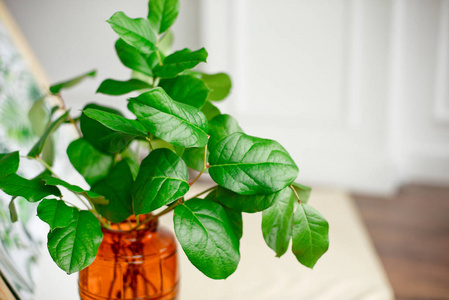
138 264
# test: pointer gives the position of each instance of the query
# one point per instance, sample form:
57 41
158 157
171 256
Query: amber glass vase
138 264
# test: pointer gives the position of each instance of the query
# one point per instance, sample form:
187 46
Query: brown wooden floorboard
411 234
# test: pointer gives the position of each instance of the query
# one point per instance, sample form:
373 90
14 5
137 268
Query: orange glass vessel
139 264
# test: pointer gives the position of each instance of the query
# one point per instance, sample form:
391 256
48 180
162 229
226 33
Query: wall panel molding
441 104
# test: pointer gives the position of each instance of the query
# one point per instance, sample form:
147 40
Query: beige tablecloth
350 270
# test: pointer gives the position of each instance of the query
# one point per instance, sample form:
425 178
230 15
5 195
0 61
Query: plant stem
67 202
203 169
168 209
159 57
63 107
149 143
46 166
204 192
91 208
296 194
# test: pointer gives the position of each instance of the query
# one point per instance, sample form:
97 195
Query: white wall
72 37
420 90
356 90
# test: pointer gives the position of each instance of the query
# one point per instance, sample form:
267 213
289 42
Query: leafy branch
176 121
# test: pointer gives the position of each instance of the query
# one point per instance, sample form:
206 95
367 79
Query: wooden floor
411 234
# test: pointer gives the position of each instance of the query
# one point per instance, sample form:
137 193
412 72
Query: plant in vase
114 240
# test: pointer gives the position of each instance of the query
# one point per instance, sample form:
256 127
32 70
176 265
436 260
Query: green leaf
133 59
162 14
249 165
302 191
38 117
133 160
210 110
136 32
39 146
242 203
220 127
32 190
101 137
117 88
48 152
117 187
206 235
55 213
75 246
9 163
219 84
94 197
177 123
277 220
158 143
165 43
116 122
235 217
310 235
236 220
92 164
56 88
12 211
162 179
194 158
186 89
179 61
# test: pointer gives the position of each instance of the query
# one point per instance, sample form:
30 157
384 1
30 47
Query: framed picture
22 86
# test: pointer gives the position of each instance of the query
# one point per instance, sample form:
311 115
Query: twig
203 169
151 218
296 194
204 192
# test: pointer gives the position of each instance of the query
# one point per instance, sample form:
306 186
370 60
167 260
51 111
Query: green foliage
310 235
222 126
207 237
135 32
176 127
55 213
56 88
116 122
105 139
116 88
33 190
162 179
243 203
302 191
162 14
9 163
186 89
116 187
92 164
179 61
194 158
12 210
135 60
92 196
37 116
177 123
165 43
210 110
39 146
75 246
219 84
234 215
277 221
248 165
